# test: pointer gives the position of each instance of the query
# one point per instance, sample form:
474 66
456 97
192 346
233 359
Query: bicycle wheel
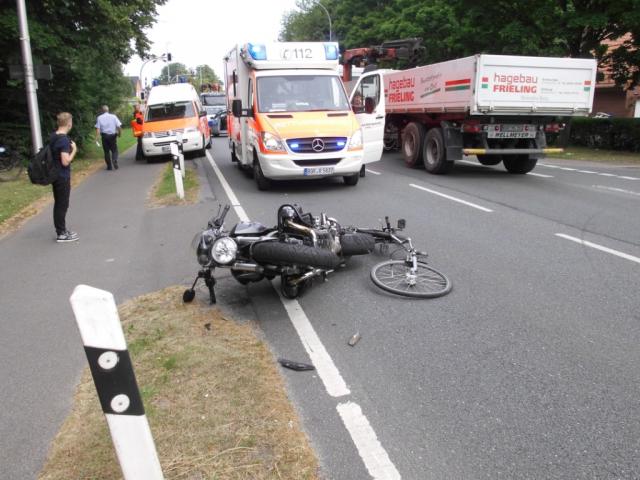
10 167
394 276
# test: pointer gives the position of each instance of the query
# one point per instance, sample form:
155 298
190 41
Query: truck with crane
499 108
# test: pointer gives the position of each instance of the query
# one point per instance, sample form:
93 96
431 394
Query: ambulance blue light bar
257 51
331 51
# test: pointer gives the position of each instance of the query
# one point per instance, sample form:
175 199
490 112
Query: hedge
606 133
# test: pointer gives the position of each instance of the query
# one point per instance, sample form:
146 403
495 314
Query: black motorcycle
299 248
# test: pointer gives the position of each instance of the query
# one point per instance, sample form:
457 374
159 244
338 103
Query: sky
198 32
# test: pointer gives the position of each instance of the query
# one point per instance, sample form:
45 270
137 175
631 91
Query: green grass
595 155
165 190
17 194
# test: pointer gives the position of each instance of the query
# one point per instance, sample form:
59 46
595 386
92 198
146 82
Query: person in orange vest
136 127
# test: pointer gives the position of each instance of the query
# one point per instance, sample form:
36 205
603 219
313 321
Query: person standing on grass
64 151
108 128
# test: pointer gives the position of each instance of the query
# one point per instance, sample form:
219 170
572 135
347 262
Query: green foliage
607 133
457 28
86 44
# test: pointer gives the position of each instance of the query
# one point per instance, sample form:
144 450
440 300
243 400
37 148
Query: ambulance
173 113
290 115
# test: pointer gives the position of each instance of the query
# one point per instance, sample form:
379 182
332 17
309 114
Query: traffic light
168 57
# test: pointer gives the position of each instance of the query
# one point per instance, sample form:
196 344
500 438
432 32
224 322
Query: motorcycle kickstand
210 281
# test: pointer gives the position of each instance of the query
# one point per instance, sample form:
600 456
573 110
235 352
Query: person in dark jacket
64 151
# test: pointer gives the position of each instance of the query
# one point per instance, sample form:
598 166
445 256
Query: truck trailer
497 107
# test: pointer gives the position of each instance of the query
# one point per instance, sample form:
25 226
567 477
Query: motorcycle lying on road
302 247
299 248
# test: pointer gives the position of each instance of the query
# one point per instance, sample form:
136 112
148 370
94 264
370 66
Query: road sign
40 72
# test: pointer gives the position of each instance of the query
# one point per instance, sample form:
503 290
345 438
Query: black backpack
43 168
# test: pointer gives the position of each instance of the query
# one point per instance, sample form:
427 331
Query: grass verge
602 156
163 192
214 399
20 199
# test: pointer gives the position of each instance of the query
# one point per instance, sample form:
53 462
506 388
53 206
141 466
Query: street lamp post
328 16
164 57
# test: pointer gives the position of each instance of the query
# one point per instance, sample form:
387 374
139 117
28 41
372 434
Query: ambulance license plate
512 131
318 171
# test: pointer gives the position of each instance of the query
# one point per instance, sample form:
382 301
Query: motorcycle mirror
402 223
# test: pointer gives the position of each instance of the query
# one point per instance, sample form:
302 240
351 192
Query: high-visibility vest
135 125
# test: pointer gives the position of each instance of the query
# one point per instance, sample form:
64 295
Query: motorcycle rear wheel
278 253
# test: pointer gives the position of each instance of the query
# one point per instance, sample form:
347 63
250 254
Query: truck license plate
512 131
318 171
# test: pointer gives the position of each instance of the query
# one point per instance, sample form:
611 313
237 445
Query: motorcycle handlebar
217 223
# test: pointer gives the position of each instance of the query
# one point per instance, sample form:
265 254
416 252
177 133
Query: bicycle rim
391 275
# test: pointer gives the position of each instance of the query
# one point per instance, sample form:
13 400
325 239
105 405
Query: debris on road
297 366
355 338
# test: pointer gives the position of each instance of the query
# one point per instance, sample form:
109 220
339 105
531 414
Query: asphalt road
528 369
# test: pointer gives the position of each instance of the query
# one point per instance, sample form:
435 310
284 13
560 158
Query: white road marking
327 371
624 177
630 178
469 162
449 197
227 188
539 175
600 247
548 165
568 169
607 174
613 189
372 171
585 171
374 456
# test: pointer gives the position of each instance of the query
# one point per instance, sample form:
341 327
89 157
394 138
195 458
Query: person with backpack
63 151
108 128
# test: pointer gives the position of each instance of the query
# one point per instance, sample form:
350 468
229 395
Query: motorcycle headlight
356 140
272 142
224 250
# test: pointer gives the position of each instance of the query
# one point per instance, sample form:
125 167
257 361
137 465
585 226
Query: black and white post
106 349
178 166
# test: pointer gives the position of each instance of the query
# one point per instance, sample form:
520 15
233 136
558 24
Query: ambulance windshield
169 111
301 93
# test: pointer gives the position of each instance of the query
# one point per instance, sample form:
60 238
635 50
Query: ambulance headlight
331 51
224 250
356 140
147 135
272 142
257 51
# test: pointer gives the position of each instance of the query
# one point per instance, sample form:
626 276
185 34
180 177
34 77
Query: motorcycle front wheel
395 276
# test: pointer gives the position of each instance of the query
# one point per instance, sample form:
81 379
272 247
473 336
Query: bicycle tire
379 234
436 283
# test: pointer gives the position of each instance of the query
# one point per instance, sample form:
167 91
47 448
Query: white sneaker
67 236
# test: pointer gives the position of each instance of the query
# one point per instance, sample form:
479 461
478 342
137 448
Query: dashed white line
630 178
603 174
373 171
620 190
374 456
449 197
539 175
585 171
607 174
602 248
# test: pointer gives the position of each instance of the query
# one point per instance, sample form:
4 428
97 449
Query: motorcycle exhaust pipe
247 267
302 228
314 273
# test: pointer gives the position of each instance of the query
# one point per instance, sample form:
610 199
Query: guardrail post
106 349
178 168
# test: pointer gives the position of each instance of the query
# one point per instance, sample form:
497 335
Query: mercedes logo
317 144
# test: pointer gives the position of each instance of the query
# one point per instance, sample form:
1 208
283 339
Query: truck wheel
489 159
278 253
435 160
519 164
412 140
262 182
351 180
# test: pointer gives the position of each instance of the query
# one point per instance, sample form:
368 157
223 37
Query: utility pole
328 16
29 78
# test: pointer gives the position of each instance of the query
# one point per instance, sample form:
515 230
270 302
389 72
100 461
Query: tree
205 74
456 28
86 45
171 70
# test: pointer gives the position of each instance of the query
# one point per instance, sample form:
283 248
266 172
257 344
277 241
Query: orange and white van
290 116
174 113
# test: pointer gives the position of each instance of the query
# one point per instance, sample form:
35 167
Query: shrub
606 133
